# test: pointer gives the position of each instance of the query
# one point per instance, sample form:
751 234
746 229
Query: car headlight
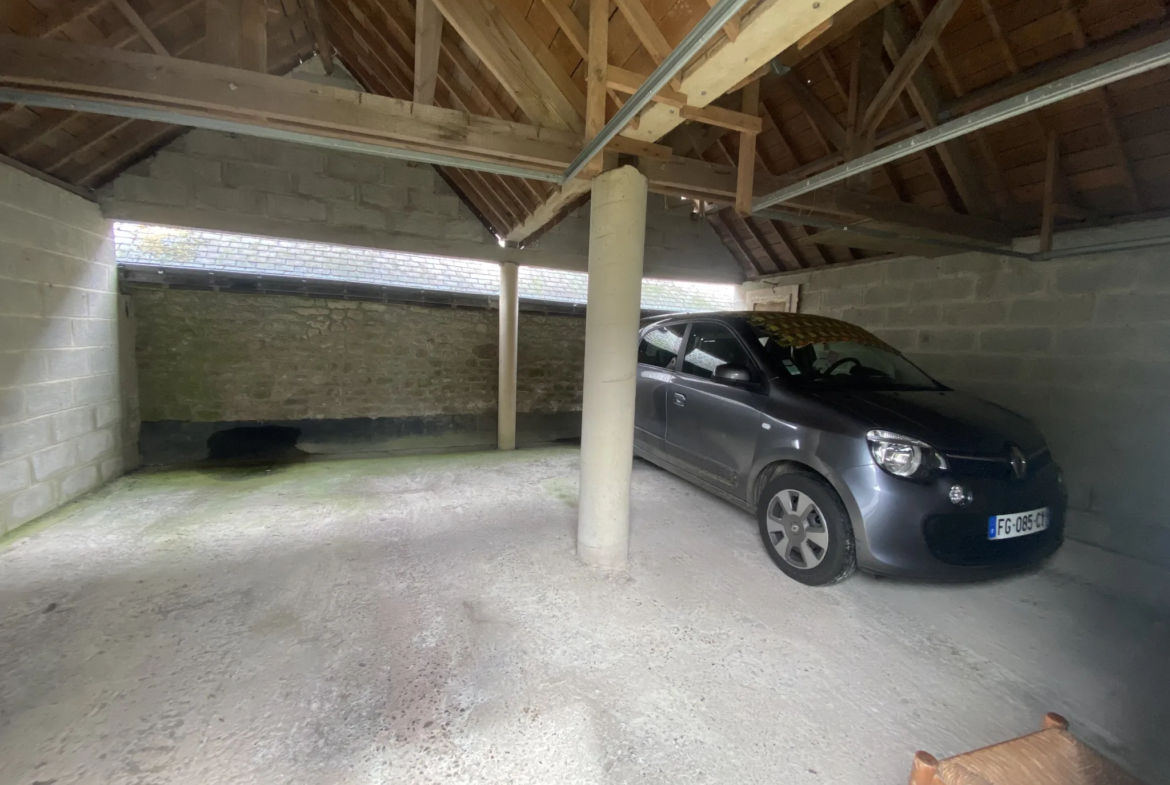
904 456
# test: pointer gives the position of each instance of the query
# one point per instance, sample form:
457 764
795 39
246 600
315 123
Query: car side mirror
731 373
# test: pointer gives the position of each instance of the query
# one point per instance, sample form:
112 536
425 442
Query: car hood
949 421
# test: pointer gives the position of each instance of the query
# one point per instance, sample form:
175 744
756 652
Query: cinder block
1086 277
1070 310
70 424
47 333
14 476
25 506
11 405
229 200
439 204
361 169
1014 280
902 340
102 305
1016 340
1132 308
64 301
148 190
257 177
944 340
214 144
296 208
53 461
405 174
21 298
111 468
79 481
842 298
181 168
66 363
353 215
1102 341
291 157
21 368
887 295
94 332
974 314
990 367
943 289
870 274
46 398
94 389
384 196
106 413
912 269
94 445
910 315
324 187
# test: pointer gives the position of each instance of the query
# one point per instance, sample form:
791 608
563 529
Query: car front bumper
912 529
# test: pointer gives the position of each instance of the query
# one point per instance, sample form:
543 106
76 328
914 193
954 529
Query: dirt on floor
424 619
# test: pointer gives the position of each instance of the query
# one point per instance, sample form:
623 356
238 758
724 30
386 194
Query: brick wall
219 181
216 359
1081 346
60 410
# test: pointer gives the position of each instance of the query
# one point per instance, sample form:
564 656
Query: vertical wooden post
237 34
595 76
222 41
1051 170
746 168
923 769
428 30
254 35
1052 720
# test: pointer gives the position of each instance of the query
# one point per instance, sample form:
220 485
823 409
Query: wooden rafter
906 66
774 261
595 76
141 27
648 33
924 94
739 249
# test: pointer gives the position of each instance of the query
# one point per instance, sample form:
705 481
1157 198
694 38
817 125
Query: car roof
792 329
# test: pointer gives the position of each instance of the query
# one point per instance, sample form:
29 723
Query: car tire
825 544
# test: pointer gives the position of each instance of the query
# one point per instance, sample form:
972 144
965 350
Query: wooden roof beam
906 66
648 33
141 27
502 38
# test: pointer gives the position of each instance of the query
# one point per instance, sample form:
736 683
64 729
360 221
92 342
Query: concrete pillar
509 323
617 238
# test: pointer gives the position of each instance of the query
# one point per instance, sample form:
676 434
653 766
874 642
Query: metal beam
1090 79
711 23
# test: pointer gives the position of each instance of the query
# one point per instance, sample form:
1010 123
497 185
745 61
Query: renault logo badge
1019 463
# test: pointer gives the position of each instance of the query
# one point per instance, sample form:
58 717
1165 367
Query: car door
657 352
712 425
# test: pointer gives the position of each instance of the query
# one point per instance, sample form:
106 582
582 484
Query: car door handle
680 399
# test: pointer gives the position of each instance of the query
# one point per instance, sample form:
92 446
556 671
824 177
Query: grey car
849 455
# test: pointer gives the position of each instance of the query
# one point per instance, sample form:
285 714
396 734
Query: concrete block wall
225 182
1081 346
217 359
61 416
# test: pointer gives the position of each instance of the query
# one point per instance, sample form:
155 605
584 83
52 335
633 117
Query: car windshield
842 364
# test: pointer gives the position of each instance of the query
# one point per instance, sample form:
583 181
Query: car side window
660 346
710 346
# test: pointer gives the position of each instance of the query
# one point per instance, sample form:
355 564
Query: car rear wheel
806 529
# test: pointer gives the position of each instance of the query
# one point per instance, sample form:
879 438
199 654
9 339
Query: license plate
1017 524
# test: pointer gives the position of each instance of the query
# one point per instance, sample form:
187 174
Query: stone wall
218 359
60 410
220 181
1081 346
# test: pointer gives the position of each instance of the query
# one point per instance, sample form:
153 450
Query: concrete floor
425 620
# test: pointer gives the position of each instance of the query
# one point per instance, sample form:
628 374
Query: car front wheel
806 529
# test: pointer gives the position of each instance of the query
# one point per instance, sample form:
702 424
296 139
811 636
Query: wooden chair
1051 756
